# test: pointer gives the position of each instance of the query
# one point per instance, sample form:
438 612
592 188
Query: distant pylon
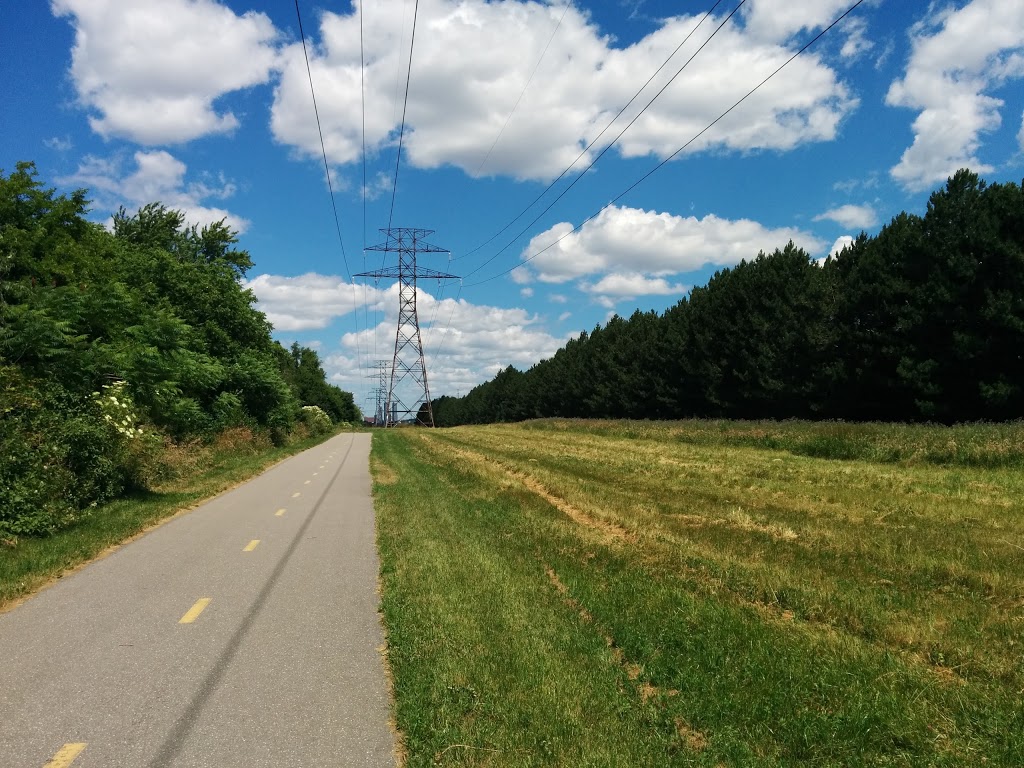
380 391
407 362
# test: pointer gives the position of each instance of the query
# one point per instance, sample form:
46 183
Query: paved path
244 633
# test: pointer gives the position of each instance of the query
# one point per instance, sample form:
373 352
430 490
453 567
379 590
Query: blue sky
205 106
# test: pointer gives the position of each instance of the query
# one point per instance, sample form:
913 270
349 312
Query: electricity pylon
380 390
407 362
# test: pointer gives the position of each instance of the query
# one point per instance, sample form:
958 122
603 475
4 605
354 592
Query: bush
314 417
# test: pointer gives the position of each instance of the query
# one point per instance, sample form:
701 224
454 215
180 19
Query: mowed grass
205 471
614 593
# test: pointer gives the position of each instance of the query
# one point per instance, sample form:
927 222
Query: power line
323 148
599 135
523 92
330 184
440 344
668 159
610 144
363 131
362 105
405 106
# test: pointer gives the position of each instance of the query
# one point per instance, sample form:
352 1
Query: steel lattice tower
380 391
407 362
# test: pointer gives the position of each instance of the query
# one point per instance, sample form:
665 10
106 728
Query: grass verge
581 594
30 563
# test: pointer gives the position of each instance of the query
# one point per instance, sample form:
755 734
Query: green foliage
60 459
924 322
318 422
101 332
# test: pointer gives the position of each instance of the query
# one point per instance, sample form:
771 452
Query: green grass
595 593
30 563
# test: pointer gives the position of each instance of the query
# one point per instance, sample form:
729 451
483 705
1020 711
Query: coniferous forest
116 343
923 322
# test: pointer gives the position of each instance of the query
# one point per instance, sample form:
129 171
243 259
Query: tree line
113 341
922 322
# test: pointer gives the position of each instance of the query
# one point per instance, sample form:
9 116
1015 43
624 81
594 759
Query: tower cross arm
394 272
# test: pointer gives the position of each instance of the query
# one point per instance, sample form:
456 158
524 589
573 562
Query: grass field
705 593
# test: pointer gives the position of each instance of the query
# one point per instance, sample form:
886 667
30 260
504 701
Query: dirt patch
694 740
382 473
740 521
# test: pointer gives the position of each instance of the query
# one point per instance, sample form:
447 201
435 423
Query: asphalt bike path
244 633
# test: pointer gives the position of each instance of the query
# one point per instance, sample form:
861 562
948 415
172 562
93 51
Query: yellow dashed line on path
251 545
66 756
307 482
296 495
279 513
195 610
315 474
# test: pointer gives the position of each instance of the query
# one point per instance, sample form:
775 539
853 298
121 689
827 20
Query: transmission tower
380 391
407 363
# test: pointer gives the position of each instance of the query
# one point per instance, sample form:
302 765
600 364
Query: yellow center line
315 474
307 482
66 756
279 512
296 495
251 545
195 610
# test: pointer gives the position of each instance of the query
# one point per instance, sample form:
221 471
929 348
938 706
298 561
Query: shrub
314 417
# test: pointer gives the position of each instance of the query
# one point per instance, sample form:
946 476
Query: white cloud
151 70
843 241
1020 135
558 298
632 284
159 177
564 316
58 143
777 20
311 301
857 40
466 345
630 240
851 216
472 59
520 275
526 292
957 55
850 185
480 340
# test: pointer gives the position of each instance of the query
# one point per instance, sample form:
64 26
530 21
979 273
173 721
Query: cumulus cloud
464 346
310 301
957 55
633 241
159 177
151 70
1020 135
851 216
472 59
777 20
845 241
464 343
632 284
857 40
